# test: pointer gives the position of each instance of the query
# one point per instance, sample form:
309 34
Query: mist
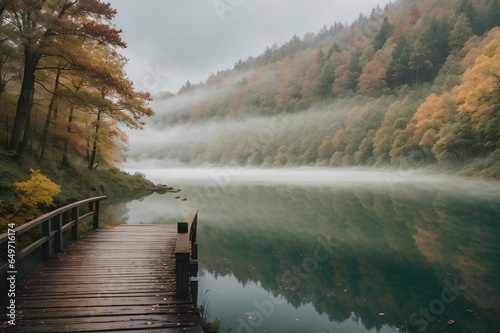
228 140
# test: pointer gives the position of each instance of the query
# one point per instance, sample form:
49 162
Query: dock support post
182 260
58 239
186 253
47 246
95 224
75 216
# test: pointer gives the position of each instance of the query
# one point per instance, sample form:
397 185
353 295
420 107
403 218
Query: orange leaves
414 15
431 116
373 78
290 91
479 94
97 7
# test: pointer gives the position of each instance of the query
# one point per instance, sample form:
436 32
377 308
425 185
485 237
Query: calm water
317 250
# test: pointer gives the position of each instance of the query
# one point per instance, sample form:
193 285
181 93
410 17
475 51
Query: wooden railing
186 255
53 229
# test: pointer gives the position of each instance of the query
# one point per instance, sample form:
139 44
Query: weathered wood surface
118 279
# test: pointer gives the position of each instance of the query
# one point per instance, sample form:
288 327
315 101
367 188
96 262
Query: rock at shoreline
162 188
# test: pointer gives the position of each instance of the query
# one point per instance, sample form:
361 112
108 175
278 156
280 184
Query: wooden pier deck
121 279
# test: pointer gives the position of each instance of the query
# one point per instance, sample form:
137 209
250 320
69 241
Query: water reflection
148 208
410 257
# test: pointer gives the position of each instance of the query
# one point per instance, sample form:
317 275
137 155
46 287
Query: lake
322 250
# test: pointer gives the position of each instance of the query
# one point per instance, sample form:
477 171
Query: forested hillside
415 84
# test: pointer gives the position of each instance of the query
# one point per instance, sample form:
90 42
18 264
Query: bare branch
497 78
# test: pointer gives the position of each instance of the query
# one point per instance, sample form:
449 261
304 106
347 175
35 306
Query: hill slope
414 85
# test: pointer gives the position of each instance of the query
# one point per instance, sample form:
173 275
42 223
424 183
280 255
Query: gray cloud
172 41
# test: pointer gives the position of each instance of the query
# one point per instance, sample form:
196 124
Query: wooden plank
112 280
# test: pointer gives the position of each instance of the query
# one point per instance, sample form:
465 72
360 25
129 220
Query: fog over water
382 179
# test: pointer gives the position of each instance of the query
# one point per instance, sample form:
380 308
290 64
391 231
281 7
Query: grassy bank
77 182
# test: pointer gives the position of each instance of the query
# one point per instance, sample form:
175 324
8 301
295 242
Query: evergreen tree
399 72
325 80
493 14
420 61
355 63
461 32
384 34
437 39
467 8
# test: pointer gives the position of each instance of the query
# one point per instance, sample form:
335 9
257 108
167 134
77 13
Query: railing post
182 264
75 216
46 247
58 239
186 253
96 215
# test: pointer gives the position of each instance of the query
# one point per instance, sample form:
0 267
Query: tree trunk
43 140
24 102
93 153
27 126
65 161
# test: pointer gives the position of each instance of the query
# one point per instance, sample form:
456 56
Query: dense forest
63 96
414 85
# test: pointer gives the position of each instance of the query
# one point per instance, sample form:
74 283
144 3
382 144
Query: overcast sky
172 41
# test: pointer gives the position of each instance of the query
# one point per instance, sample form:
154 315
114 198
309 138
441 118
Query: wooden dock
121 279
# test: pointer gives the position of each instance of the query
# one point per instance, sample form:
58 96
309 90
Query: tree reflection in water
394 252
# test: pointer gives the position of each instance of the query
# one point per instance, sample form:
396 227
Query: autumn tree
290 91
39 28
395 120
110 100
479 95
455 141
373 78
71 135
414 15
309 89
431 116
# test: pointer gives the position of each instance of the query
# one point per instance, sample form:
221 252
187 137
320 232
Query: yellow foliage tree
38 191
479 94
430 117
